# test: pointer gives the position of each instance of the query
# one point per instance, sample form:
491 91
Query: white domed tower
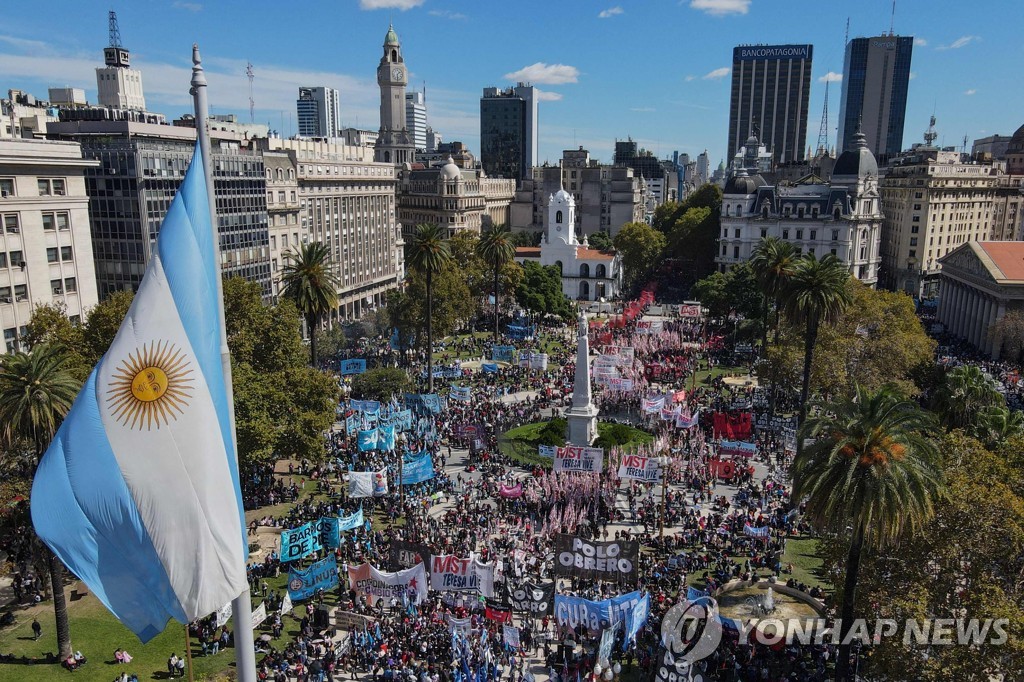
561 219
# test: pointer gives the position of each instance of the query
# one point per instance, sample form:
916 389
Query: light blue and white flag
138 493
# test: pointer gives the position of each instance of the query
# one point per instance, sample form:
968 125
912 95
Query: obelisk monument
582 416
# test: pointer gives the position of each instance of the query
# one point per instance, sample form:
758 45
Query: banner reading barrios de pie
576 458
614 560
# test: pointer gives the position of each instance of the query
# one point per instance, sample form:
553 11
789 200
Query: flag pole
245 651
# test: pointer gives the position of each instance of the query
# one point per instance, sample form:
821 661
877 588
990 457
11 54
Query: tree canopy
641 248
540 292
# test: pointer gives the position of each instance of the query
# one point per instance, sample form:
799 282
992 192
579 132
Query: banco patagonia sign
763 52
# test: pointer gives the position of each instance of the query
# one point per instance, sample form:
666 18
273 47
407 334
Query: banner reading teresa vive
323 575
613 560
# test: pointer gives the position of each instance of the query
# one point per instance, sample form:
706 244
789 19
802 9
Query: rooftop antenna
963 149
115 32
846 38
823 130
930 135
892 18
252 102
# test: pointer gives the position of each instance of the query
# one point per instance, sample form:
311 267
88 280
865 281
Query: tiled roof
584 253
1008 257
527 252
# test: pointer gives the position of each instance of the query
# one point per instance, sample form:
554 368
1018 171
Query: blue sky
656 70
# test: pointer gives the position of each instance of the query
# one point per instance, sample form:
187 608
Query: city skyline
590 95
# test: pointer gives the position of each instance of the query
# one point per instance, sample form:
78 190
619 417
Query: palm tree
36 392
312 283
995 424
964 393
773 262
816 292
428 252
496 247
872 469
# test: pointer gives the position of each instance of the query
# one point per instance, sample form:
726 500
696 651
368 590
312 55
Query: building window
70 285
57 286
814 235
800 212
6 187
5 294
764 211
764 233
913 241
558 217
837 213
51 255
736 252
833 252
20 292
800 234
785 234
11 339
11 223
65 253
736 233
585 270
835 235
3 259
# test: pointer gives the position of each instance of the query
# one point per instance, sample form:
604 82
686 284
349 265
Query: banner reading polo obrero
367 581
575 458
614 560
639 468
138 492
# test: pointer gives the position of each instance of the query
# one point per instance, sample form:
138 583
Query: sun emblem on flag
151 387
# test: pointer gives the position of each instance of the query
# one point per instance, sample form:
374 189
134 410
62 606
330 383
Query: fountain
761 605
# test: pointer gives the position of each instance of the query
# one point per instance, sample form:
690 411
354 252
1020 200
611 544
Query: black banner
614 560
406 554
496 611
533 598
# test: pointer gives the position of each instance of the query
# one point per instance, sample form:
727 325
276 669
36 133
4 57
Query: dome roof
450 170
563 197
391 38
741 183
1017 141
857 160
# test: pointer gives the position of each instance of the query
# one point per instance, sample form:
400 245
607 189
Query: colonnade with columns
969 312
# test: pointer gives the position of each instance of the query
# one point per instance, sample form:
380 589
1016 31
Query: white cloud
717 73
27 46
610 12
962 41
446 14
920 42
642 110
831 77
970 92
190 6
547 95
390 4
913 75
721 8
690 78
545 74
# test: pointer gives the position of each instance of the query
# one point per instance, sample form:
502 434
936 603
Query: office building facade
318 111
416 118
508 131
458 199
876 77
45 245
771 87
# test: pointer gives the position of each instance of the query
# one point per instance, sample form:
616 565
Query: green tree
773 262
602 241
1008 334
312 283
641 247
50 324
36 391
872 467
331 341
693 234
380 384
102 324
540 291
995 424
429 254
744 294
527 238
496 248
964 393
816 294
713 293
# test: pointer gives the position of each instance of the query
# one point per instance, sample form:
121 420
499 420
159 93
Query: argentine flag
138 493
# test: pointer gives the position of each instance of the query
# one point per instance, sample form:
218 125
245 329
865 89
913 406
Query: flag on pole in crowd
130 495
756 532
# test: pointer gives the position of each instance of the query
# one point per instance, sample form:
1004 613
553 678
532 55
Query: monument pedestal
582 424
582 416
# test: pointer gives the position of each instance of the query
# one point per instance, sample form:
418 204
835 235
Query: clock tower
394 143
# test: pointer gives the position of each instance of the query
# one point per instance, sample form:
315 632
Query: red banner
734 426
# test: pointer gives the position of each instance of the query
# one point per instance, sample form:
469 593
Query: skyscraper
508 131
319 112
771 85
394 142
876 75
416 118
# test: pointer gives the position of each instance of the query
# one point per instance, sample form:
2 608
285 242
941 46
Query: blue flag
138 493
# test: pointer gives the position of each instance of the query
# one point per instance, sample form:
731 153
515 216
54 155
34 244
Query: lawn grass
803 554
520 443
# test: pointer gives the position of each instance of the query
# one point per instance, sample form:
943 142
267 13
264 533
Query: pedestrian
37 629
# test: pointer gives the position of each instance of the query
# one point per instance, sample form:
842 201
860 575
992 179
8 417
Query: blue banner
403 420
355 366
323 575
445 372
299 542
418 470
330 534
503 353
489 368
423 402
636 618
366 405
352 423
386 438
461 393
516 331
595 615
367 440
352 521
693 594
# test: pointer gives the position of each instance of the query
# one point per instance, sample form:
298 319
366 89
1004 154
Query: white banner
511 635
575 458
223 616
639 468
366 580
368 483
286 603
259 615
451 573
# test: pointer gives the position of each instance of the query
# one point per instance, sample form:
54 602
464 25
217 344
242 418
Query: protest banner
636 618
593 559
367 483
547 451
405 554
461 393
367 440
259 614
639 468
299 542
489 368
765 532
365 405
322 575
503 353
498 612
286 605
373 584
594 615
689 310
737 448
223 616
451 573
510 492
575 458
354 366
418 470
651 405
510 634
533 598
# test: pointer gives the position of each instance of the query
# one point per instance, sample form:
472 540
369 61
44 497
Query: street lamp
663 462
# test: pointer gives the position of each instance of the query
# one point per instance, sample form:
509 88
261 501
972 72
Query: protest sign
323 575
299 542
533 598
374 584
354 366
575 458
639 468
367 483
450 573
405 554
594 615
593 559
